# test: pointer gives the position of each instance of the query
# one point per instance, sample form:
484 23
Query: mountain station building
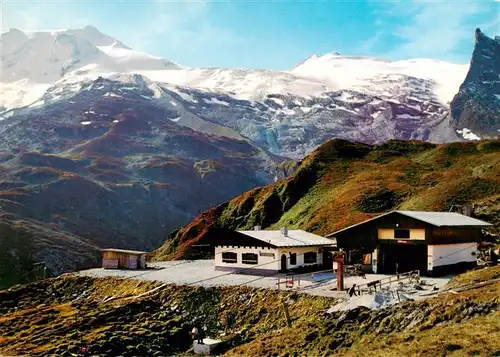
269 252
436 243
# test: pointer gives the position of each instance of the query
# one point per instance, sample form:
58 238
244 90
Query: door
327 259
402 258
283 262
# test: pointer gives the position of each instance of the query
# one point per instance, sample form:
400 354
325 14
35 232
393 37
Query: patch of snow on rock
467 134
110 94
287 111
216 101
278 101
379 300
408 116
186 96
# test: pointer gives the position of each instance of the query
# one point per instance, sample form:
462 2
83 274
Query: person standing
195 333
352 290
202 334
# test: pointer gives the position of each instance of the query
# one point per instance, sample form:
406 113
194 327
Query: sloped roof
446 219
294 238
437 219
134 252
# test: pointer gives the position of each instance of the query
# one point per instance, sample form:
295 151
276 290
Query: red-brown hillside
342 183
116 173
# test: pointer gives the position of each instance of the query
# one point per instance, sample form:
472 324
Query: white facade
300 255
449 254
267 258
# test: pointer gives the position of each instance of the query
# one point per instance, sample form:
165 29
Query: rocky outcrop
477 104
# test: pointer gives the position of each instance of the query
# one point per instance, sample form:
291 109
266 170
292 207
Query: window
401 233
293 258
249 258
229 257
310 257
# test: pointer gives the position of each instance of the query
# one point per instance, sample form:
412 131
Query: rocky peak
485 63
477 104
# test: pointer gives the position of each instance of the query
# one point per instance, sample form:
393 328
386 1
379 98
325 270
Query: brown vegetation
343 183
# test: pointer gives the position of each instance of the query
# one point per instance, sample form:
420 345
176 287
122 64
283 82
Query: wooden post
287 313
339 259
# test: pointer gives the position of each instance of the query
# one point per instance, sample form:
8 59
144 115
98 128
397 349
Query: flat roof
135 252
294 238
438 219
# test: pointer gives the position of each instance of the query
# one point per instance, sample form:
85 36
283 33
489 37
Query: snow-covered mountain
34 60
379 77
286 112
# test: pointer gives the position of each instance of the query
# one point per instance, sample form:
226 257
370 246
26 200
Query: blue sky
271 34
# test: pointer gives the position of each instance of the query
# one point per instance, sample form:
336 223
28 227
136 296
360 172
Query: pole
287 313
339 259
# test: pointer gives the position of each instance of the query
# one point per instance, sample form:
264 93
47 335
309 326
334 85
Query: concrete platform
202 272
206 348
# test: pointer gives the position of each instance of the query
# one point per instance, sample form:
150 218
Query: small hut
123 259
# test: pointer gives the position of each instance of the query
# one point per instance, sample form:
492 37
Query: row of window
309 258
253 258
246 258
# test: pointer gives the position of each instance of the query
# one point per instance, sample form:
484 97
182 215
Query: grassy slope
59 316
464 324
25 242
48 317
342 183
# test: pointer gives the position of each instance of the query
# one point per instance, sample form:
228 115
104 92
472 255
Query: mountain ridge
343 183
95 38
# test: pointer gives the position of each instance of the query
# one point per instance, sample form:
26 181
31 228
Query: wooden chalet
436 243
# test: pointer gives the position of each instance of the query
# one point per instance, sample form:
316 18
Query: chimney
467 210
284 231
256 228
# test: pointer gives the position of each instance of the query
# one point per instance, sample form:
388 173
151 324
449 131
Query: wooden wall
366 235
119 260
450 235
